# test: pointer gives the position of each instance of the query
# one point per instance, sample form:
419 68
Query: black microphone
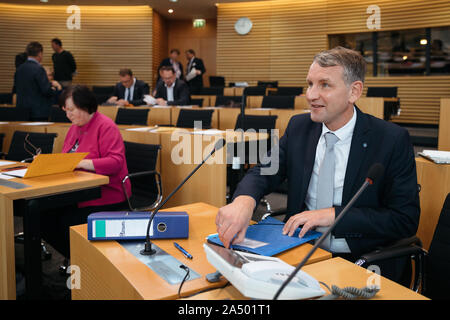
147 251
375 172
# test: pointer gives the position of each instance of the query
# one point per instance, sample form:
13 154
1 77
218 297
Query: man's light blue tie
325 182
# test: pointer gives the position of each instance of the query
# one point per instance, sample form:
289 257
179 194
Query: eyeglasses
35 151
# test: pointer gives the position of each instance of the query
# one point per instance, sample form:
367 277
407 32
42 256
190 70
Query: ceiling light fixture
173 0
170 10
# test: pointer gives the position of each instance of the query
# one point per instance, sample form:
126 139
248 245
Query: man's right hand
112 100
233 219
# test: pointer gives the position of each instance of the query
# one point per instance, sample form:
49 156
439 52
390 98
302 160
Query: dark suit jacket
386 211
196 83
166 62
33 89
180 93
140 89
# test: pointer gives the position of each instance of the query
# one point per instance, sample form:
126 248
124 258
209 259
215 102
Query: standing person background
34 90
172 61
194 79
64 64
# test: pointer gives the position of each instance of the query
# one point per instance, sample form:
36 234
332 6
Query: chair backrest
268 84
132 116
103 90
278 102
2 137
17 151
256 122
228 101
211 91
216 81
58 115
14 114
5 98
288 91
255 91
385 92
197 102
437 281
142 157
187 117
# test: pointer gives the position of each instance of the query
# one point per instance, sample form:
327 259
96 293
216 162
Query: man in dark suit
34 90
194 72
325 157
172 61
171 91
129 90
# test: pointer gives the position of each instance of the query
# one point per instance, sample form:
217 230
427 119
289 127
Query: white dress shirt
170 91
341 152
131 90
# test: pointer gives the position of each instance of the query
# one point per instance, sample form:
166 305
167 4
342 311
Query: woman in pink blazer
98 135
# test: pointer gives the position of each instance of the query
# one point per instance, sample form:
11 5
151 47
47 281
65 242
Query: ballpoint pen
184 252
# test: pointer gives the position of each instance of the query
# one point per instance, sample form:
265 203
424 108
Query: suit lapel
358 152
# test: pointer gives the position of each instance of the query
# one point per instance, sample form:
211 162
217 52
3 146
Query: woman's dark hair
82 97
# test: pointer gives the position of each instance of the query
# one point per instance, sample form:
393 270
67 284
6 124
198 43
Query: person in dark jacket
129 90
64 64
171 91
34 90
194 72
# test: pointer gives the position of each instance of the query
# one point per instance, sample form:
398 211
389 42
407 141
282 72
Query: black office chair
25 144
287 91
216 81
146 185
278 102
390 107
431 268
132 116
197 102
268 84
211 91
255 91
187 118
5 98
228 101
102 93
14 114
58 115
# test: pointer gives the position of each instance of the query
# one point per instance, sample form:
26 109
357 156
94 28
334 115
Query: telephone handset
260 277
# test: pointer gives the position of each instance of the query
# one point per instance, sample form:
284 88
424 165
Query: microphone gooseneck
148 250
374 173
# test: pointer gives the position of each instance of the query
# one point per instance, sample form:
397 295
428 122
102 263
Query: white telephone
260 277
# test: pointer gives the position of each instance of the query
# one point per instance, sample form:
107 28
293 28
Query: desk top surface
52 184
336 271
201 224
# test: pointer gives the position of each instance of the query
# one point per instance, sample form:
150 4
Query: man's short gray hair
351 61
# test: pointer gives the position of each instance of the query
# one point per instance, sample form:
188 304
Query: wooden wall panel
160 38
286 34
111 37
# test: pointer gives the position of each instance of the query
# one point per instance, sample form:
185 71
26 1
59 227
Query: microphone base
145 252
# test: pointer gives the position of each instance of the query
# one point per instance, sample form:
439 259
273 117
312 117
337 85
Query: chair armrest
401 248
142 173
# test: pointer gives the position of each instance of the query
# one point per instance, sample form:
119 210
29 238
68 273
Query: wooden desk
108 271
336 271
434 180
53 189
444 125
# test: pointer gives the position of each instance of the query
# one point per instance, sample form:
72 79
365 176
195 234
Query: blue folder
269 231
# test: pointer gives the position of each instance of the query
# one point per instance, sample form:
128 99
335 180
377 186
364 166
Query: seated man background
129 90
325 157
171 91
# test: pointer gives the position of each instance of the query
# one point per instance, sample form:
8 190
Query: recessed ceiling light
170 10
173 0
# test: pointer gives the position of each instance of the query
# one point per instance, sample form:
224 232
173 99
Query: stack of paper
149 99
436 155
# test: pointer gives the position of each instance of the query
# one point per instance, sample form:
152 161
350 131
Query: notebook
436 156
52 163
266 238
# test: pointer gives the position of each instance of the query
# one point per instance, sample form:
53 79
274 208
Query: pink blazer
102 139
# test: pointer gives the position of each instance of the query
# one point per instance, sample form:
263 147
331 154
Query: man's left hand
309 220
